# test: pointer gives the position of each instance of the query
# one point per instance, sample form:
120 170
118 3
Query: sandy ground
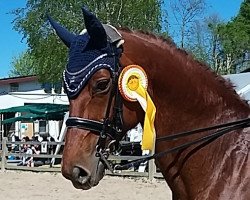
17 185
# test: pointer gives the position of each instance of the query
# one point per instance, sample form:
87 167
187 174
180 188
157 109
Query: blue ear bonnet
88 52
84 60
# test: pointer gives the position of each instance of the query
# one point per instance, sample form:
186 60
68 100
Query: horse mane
166 43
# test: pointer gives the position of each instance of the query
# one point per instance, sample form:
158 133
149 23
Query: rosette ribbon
133 84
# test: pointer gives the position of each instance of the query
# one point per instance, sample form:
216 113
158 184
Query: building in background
26 90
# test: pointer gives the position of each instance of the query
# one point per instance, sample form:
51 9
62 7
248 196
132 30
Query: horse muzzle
83 179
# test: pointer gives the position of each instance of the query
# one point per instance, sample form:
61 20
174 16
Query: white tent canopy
242 84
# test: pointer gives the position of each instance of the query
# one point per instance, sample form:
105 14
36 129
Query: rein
223 129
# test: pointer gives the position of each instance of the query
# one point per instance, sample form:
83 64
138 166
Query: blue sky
225 8
12 44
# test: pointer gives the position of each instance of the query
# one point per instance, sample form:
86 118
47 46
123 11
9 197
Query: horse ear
62 32
94 28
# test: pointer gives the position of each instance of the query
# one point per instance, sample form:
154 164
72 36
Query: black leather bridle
110 126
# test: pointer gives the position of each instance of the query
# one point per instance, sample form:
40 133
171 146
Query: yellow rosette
133 85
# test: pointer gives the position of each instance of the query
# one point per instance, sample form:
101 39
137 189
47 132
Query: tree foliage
223 46
22 65
235 38
49 54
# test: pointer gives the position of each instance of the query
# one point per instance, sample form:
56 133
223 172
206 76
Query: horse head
97 114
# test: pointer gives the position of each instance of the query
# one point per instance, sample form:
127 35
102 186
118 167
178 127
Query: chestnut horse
187 96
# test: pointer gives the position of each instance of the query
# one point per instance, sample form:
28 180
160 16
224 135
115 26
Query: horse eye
102 85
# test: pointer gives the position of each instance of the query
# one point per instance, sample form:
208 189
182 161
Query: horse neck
181 87
187 96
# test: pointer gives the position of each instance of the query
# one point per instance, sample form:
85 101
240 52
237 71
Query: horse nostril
80 175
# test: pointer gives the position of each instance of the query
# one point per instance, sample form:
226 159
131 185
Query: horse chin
86 186
98 175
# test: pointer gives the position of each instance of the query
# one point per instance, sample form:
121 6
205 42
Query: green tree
223 46
235 38
22 65
50 55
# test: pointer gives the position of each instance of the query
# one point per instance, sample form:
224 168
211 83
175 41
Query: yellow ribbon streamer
148 138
